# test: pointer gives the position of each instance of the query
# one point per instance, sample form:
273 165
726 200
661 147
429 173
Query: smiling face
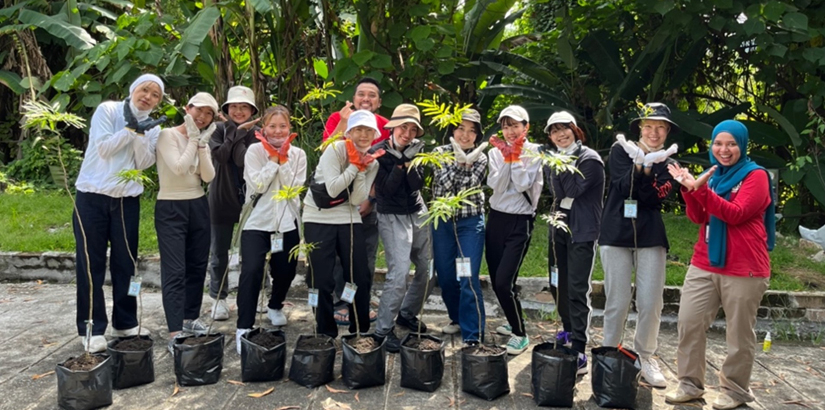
239 112
203 116
725 149
465 134
654 132
362 137
512 129
146 96
367 97
403 134
561 135
276 130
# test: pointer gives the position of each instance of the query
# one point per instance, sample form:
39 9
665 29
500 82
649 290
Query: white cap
240 95
204 100
365 118
561 117
515 112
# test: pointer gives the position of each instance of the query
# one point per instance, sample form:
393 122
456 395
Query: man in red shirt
367 97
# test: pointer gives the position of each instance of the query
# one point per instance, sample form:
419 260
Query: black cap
654 111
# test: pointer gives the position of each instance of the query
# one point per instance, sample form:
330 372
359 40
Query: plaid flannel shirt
452 179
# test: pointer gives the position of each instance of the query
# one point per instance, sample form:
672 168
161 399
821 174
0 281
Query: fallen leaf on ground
262 394
176 391
288 304
399 394
39 282
356 398
331 390
288 407
236 383
452 401
40 376
527 395
797 402
330 404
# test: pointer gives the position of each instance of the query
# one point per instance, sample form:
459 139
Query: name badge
348 295
277 242
312 298
462 268
566 203
554 276
134 286
630 208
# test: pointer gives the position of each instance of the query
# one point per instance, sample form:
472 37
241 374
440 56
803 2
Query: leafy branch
289 192
338 136
445 208
554 219
40 115
559 163
435 158
133 175
321 93
443 115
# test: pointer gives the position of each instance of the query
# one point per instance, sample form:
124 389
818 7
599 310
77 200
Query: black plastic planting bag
259 364
553 373
312 368
131 368
199 364
422 370
484 376
615 377
81 390
361 370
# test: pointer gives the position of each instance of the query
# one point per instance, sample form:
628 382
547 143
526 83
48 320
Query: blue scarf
723 181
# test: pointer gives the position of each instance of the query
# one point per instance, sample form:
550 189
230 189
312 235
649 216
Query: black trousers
575 262
183 240
97 225
507 240
331 241
254 247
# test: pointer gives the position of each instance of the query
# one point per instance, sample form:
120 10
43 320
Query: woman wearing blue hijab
733 204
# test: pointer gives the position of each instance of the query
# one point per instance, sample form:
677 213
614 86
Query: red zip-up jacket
747 252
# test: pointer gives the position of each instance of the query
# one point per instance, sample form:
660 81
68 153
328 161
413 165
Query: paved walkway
37 331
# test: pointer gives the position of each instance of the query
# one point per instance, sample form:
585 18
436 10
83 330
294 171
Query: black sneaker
393 343
410 323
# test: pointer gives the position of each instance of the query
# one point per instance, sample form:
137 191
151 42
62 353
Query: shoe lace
651 366
515 341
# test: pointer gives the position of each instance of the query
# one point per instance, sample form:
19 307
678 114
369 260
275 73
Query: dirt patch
423 344
813 281
199 340
483 350
266 340
314 343
83 363
133 345
362 344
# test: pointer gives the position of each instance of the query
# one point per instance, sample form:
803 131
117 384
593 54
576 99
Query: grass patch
42 222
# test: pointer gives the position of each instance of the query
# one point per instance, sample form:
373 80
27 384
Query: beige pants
702 295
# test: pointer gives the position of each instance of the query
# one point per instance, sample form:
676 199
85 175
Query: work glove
511 153
458 152
206 135
192 130
131 121
283 152
361 161
271 151
413 149
659 156
634 152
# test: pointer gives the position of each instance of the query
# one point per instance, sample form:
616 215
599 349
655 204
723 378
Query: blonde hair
275 110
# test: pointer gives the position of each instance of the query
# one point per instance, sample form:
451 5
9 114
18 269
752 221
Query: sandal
342 316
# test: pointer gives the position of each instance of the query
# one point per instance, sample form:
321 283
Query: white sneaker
96 345
276 316
238 334
504 330
651 373
130 332
220 310
725 402
451 329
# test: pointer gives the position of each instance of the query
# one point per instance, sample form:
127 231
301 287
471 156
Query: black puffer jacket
587 191
397 191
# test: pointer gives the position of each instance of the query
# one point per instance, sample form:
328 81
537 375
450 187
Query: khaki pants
702 295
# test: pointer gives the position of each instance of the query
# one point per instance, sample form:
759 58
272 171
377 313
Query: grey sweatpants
618 265
404 241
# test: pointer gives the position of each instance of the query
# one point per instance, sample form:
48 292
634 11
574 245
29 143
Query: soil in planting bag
312 361
132 361
363 369
615 377
261 363
554 375
484 371
84 389
200 363
422 369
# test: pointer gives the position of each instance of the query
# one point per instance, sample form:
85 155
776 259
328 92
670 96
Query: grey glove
131 121
413 149
148 124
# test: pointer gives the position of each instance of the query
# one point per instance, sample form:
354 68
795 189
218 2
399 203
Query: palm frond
443 115
434 158
321 93
289 192
444 208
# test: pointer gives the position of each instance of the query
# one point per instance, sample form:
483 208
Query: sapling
294 254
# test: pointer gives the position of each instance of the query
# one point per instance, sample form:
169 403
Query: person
572 254
734 206
633 234
227 191
336 229
463 235
516 181
182 214
122 137
401 213
367 97
272 228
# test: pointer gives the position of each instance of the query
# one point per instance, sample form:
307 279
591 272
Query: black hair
369 80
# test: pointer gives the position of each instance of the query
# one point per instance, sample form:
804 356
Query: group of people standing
364 187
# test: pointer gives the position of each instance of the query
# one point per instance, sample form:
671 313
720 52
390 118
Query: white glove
192 130
206 135
460 156
659 156
472 157
635 153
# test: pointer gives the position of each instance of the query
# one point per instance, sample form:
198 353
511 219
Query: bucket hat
654 111
405 113
365 118
240 94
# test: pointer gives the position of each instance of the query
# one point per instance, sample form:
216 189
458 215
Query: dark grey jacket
587 191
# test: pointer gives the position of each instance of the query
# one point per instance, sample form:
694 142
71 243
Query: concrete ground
37 331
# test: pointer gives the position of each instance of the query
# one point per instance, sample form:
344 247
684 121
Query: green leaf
207 72
604 53
74 36
12 81
773 10
777 50
566 52
764 134
397 31
795 21
381 61
91 100
152 56
792 177
526 92
815 181
362 57
261 6
663 6
813 54
419 33
392 99
446 67
717 22
753 26
194 35
425 45
419 10
783 122
320 67
121 71
444 52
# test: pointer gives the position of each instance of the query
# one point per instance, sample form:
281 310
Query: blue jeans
462 306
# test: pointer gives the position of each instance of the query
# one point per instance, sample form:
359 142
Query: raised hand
206 135
518 144
659 156
681 175
283 152
346 111
367 159
472 157
131 121
413 149
635 153
192 130
458 152
353 155
249 124
703 179
270 150
148 124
